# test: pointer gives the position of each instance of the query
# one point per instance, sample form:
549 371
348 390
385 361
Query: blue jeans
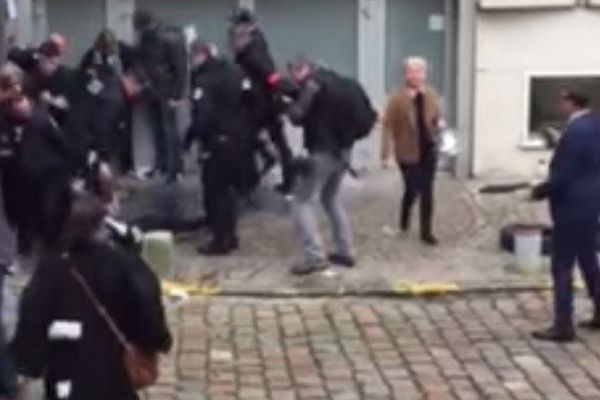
323 182
8 379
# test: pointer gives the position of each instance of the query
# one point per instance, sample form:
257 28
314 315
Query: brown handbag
142 369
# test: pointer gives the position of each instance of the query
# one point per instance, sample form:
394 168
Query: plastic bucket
158 250
528 248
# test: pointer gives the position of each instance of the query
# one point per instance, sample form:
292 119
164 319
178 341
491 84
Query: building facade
526 52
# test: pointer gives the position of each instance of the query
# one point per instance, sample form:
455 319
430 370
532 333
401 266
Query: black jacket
46 150
108 71
89 363
256 61
219 105
161 62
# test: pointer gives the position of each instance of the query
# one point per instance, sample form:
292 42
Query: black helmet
243 15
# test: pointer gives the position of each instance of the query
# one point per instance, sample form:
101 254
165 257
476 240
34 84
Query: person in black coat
219 125
161 65
252 53
46 165
573 189
104 67
61 336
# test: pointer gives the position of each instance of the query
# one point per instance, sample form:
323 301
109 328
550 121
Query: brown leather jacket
400 133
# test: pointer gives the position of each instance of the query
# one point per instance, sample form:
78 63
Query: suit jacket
400 125
573 186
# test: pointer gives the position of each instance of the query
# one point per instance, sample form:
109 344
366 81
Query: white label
246 84
198 94
437 23
64 389
65 330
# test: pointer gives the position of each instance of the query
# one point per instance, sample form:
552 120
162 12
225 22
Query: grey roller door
325 30
414 30
208 16
79 21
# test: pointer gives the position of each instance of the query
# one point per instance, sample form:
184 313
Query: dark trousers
109 116
220 200
8 379
45 207
276 132
167 143
570 245
419 183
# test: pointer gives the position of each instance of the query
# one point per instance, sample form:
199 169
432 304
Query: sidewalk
467 225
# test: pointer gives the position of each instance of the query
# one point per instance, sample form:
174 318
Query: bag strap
110 322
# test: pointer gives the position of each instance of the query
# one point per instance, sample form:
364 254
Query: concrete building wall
509 46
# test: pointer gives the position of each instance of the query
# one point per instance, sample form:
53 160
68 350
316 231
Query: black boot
559 335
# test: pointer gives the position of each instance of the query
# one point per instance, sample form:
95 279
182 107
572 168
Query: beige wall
510 44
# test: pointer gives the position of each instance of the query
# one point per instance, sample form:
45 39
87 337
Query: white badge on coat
198 94
95 87
64 389
246 84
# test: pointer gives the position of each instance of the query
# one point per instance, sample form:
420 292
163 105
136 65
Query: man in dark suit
573 190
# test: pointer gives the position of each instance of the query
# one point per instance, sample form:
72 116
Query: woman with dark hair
62 335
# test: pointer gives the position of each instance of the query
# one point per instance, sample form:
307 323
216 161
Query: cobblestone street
462 348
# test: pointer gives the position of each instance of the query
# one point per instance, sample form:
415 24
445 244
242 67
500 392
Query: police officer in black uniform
219 122
252 53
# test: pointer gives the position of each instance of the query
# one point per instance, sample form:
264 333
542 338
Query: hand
386 163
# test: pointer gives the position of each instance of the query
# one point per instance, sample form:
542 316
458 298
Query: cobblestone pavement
462 348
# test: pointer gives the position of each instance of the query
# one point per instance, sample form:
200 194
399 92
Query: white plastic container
528 248
158 250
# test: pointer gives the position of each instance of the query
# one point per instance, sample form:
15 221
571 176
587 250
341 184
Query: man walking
412 127
573 189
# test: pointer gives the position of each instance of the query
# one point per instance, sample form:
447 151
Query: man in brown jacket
412 125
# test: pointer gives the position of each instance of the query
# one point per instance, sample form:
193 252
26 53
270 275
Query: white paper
437 23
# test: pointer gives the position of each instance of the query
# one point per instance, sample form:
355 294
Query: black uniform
88 365
255 59
219 123
108 109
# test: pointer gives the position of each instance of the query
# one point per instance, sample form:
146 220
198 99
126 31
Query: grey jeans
321 182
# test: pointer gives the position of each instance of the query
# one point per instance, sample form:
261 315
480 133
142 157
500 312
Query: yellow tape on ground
426 288
178 289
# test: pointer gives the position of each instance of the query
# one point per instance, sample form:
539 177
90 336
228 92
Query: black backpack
352 113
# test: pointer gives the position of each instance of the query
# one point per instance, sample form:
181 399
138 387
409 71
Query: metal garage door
416 28
325 30
208 16
78 22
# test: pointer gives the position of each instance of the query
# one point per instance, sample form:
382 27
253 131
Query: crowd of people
62 130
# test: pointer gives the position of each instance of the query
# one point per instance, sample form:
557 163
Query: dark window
545 95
